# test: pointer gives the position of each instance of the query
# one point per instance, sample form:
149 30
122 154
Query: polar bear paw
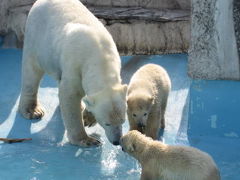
88 119
87 142
32 112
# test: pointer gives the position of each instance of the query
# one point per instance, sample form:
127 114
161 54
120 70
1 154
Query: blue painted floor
214 123
204 114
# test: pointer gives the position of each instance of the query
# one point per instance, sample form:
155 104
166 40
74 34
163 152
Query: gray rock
139 13
139 37
13 15
139 30
157 4
236 17
10 40
213 51
1 41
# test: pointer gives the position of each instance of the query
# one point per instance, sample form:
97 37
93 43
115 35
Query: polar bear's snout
114 133
128 142
115 143
141 124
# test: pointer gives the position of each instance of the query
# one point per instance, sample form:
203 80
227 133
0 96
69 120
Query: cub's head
139 106
134 143
109 108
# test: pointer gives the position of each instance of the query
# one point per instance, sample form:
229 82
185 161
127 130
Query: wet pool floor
204 114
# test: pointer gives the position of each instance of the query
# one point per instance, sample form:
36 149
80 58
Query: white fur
66 41
147 98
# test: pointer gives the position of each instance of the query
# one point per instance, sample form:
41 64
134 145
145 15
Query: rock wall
236 17
13 15
157 4
213 53
140 37
144 31
137 26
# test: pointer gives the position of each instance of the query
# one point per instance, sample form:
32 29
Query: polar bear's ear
88 101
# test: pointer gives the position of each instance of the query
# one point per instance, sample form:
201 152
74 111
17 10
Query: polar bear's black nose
140 125
116 143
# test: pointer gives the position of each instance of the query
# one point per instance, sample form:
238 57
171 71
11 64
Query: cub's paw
88 119
32 112
87 142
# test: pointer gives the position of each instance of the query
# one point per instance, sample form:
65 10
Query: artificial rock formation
13 16
156 4
137 26
236 17
144 31
213 53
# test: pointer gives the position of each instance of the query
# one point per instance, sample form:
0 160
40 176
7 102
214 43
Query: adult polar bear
65 40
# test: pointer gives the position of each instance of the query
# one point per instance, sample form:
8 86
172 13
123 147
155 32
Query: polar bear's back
175 162
190 163
48 18
58 28
152 77
58 13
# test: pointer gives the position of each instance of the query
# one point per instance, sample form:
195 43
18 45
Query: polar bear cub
160 161
65 40
147 99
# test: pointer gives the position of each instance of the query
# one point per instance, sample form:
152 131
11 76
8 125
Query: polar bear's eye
145 114
134 115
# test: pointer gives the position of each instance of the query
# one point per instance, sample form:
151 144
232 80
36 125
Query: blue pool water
203 114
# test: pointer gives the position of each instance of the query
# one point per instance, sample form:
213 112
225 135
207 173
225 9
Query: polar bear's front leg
145 175
153 123
163 110
31 76
70 98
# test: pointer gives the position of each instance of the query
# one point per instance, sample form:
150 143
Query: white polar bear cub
168 162
65 40
147 97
